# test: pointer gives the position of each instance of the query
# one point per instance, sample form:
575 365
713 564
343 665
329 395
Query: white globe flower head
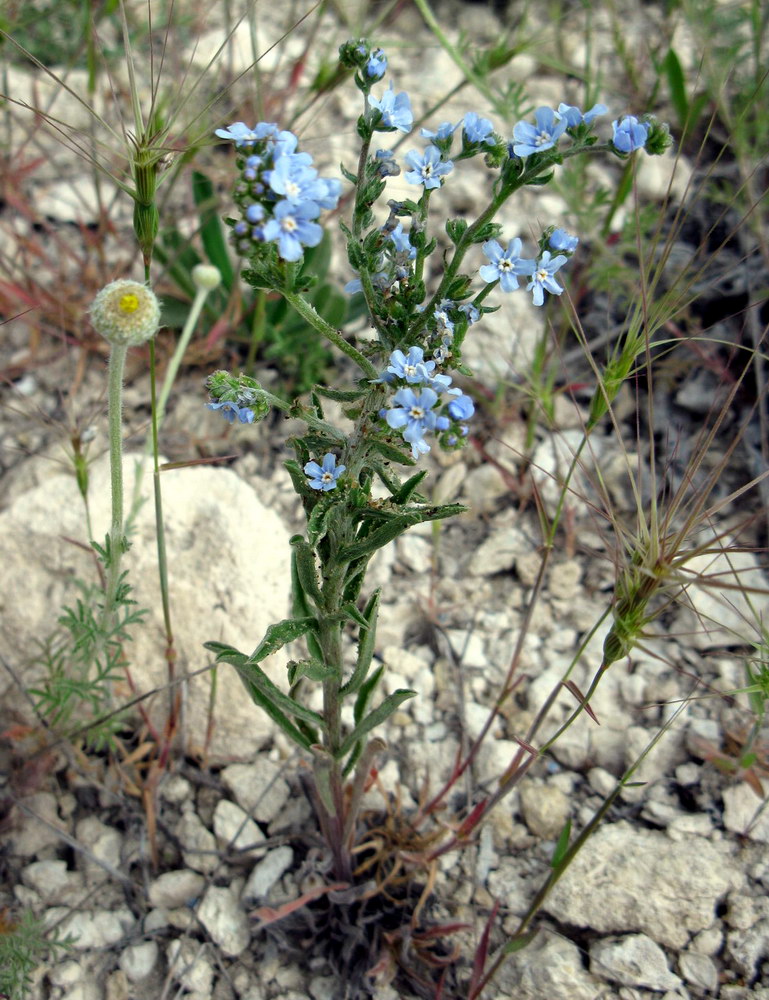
126 313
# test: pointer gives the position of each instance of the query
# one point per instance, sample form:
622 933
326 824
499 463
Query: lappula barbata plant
404 401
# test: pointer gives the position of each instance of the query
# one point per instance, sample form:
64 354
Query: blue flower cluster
506 266
238 399
279 193
415 409
629 133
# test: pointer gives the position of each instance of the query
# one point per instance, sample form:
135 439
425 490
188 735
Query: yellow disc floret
126 312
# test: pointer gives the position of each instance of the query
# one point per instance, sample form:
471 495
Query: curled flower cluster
415 408
280 194
236 398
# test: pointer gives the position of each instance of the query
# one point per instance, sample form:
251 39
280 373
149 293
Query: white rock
259 787
32 836
176 789
640 881
221 915
98 928
189 965
747 948
103 842
199 848
744 813
234 828
563 579
86 989
138 960
175 888
52 882
215 597
698 970
416 553
266 873
498 552
634 960
550 968
545 809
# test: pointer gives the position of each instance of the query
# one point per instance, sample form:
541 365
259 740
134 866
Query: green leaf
671 66
408 489
342 395
257 680
278 635
375 718
561 846
350 611
306 569
317 522
391 453
455 229
211 228
365 646
379 537
314 669
519 942
367 688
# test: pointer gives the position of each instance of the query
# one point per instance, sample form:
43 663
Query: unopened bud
206 277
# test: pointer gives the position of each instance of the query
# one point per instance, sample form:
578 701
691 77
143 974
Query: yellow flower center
129 302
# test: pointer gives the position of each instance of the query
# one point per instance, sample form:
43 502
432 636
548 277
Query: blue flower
461 408
629 133
471 311
444 131
413 413
230 411
506 265
427 169
294 180
561 240
239 133
292 229
573 116
395 110
386 163
411 367
536 138
542 278
402 241
324 477
376 65
477 129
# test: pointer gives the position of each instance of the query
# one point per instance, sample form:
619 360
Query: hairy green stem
307 312
117 358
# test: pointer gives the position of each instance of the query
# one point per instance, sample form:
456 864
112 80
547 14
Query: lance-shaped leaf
365 646
391 453
317 522
314 669
267 696
375 718
305 569
278 635
342 395
561 846
407 491
379 537
301 609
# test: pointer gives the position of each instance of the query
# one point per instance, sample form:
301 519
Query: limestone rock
176 888
626 879
258 787
221 915
634 960
229 579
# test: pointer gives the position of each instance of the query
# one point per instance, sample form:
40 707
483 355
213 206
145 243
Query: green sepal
348 175
542 179
365 646
306 570
314 669
455 229
375 718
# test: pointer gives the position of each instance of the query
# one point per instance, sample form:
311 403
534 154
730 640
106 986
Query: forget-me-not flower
376 65
324 477
477 129
427 169
542 278
413 414
395 110
402 241
231 411
573 116
240 134
506 265
444 131
561 240
292 229
461 408
543 135
629 133
412 366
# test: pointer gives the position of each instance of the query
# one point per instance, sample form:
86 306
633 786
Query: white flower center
409 370
505 265
327 477
416 412
288 224
292 189
542 138
541 274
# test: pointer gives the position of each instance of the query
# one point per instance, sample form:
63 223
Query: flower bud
206 277
126 312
